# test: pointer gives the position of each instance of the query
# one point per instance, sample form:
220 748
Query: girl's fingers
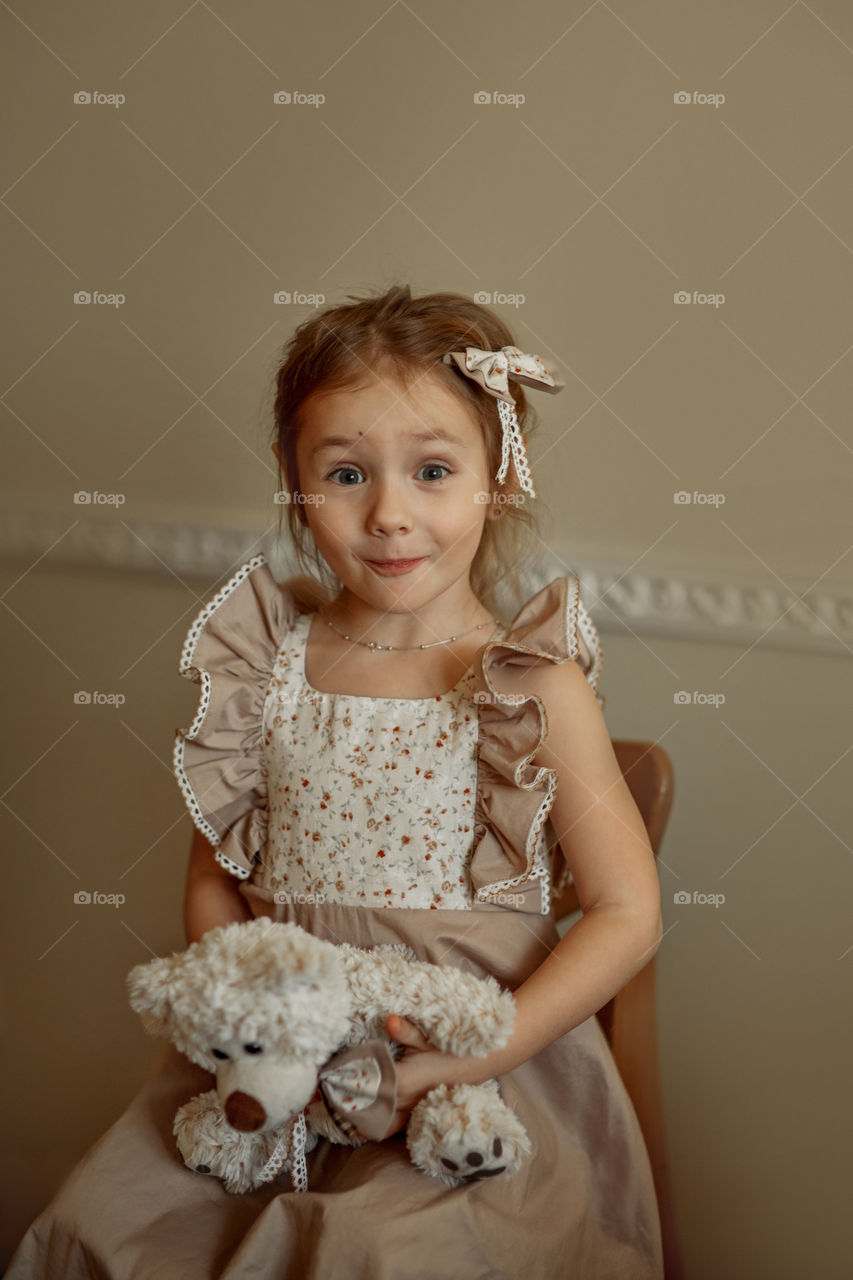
405 1032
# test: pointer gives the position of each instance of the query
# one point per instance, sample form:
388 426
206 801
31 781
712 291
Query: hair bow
493 370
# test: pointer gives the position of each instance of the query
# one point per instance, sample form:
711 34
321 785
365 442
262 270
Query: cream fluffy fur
275 1003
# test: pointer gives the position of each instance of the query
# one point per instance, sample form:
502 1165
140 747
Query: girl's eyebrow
420 437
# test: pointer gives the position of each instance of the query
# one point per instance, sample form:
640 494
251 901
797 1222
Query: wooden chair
629 1020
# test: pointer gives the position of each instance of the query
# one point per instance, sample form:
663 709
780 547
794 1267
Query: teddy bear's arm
457 1012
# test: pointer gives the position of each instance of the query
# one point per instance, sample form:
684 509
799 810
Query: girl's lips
394 566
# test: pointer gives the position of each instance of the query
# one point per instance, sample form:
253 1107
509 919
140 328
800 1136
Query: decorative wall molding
667 602
686 605
107 539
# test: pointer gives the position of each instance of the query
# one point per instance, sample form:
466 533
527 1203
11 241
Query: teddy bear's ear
150 989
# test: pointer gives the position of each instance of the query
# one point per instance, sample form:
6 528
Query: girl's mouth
394 566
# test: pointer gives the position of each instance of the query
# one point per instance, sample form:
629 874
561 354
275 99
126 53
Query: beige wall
165 400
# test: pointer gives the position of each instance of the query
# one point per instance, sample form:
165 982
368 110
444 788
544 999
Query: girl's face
383 485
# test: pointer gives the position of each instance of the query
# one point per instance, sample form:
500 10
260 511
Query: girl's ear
277 452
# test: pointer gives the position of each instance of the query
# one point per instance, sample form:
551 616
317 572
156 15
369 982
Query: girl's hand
420 1068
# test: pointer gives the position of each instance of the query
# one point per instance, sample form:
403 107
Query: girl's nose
389 509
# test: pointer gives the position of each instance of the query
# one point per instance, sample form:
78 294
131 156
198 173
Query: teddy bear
293 1028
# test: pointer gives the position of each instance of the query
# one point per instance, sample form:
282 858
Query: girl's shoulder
551 628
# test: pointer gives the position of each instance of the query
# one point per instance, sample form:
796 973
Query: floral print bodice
352 802
370 800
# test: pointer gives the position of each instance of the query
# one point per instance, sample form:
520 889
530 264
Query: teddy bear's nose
244 1112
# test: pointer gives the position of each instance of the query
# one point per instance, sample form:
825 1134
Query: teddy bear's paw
464 1133
208 1144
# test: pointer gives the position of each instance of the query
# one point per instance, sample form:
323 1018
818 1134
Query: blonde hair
330 352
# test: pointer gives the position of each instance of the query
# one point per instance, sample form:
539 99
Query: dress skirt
582 1205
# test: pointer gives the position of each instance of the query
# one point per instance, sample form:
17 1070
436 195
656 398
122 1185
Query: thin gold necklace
371 644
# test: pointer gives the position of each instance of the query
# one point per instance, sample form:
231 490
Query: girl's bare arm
604 841
212 895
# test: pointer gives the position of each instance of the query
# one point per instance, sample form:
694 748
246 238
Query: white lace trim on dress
578 623
540 870
190 672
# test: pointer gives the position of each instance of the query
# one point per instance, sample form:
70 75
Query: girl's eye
218 1053
436 466
428 466
351 470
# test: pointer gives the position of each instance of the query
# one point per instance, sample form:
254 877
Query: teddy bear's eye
218 1053
253 1048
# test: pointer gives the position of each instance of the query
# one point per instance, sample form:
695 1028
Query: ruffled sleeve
514 797
230 650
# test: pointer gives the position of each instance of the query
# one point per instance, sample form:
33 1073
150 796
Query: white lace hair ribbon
493 370
512 442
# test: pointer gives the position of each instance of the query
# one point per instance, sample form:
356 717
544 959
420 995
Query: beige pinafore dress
374 820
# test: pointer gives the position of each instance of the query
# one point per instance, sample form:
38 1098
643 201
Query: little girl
377 757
